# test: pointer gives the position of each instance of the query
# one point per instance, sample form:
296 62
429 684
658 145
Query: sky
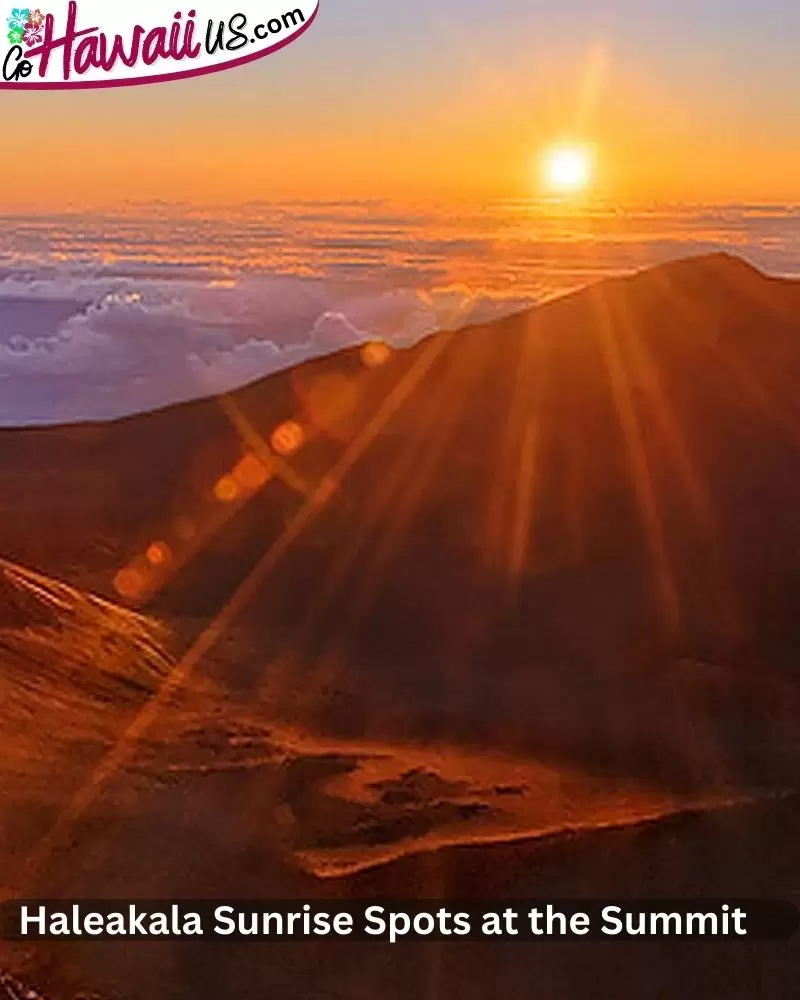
683 101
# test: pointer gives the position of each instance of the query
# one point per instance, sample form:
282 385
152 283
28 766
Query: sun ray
649 380
460 369
36 862
686 468
665 589
520 540
372 529
503 495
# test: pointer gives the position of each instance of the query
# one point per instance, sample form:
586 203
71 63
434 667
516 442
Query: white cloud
78 344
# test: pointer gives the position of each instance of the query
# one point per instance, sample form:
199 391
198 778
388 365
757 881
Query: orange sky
329 119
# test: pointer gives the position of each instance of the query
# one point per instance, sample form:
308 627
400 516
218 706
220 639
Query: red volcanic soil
512 613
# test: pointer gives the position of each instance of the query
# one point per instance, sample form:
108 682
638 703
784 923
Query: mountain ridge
604 480
718 264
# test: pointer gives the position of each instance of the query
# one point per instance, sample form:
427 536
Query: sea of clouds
105 316
100 347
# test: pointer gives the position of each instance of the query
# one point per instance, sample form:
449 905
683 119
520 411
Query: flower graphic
33 35
19 19
25 26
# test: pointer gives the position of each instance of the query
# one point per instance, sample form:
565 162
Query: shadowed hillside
592 503
535 576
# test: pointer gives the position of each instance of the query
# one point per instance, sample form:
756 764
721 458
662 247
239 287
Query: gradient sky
695 100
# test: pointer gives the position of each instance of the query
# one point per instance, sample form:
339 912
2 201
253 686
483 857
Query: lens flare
375 354
251 473
130 583
227 490
288 438
159 554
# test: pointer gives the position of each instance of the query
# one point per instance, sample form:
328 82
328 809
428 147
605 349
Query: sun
567 169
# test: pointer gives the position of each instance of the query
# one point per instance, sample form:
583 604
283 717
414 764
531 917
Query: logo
92 43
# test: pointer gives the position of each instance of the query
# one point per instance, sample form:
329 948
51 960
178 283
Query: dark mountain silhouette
602 490
570 539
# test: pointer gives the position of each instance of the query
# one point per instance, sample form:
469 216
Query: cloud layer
101 317
101 346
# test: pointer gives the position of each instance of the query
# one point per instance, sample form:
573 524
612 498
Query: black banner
394 922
